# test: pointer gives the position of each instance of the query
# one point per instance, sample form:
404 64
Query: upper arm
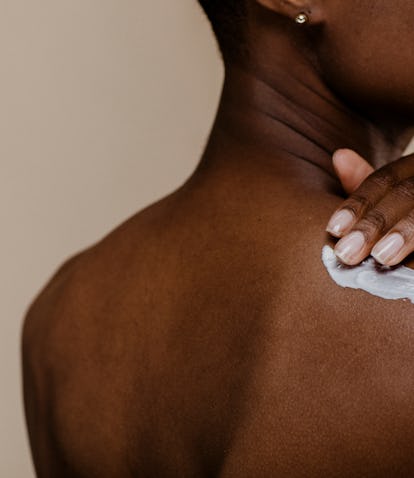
38 405
38 373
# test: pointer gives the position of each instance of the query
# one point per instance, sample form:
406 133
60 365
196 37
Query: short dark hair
227 18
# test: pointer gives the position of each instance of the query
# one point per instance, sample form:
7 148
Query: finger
397 244
351 169
395 206
371 191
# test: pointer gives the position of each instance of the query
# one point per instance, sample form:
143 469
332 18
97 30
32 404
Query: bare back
203 337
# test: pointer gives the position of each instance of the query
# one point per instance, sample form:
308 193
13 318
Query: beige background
105 107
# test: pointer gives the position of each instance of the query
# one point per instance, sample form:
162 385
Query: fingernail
340 222
350 247
388 248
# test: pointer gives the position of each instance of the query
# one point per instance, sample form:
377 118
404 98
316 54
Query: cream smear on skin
388 283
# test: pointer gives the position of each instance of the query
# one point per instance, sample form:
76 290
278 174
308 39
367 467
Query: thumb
351 169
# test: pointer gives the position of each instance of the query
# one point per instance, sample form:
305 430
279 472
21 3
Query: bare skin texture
203 337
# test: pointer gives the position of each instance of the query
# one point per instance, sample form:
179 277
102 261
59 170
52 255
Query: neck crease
293 113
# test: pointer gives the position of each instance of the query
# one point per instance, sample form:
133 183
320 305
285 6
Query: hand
378 217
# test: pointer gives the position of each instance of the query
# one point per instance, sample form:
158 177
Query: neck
290 113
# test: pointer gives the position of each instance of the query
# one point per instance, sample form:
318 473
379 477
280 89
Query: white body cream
395 283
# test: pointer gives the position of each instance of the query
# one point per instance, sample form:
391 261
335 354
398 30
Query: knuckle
358 203
375 222
386 178
405 189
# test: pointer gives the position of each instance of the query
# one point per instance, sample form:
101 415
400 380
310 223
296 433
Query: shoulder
83 285
47 310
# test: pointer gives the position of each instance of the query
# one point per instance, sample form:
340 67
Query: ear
292 8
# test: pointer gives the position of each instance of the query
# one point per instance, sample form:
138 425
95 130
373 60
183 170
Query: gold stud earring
302 18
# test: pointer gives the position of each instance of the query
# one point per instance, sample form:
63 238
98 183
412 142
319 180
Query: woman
204 337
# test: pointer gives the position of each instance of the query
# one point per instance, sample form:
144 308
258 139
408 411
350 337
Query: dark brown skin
203 337
380 209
